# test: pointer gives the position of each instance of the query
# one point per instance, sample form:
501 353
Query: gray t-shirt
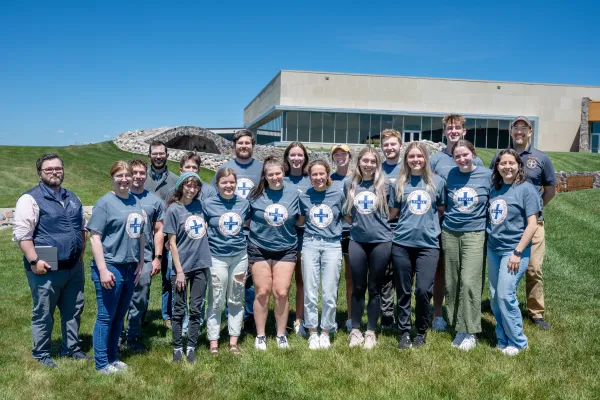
442 162
302 183
418 223
188 225
391 174
248 175
225 218
467 196
121 223
273 219
338 183
153 211
509 208
323 212
369 225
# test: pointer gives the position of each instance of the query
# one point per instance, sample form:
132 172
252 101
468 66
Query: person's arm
348 219
514 261
180 277
549 180
27 213
393 214
140 267
159 240
107 279
441 210
548 195
300 220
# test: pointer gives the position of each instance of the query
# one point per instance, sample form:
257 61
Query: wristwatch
158 257
517 253
34 262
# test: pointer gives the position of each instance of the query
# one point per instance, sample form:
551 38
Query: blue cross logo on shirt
419 202
195 227
230 224
275 214
497 211
243 188
134 225
465 199
321 214
366 202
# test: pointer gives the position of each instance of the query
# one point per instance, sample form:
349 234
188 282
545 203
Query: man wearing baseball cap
540 172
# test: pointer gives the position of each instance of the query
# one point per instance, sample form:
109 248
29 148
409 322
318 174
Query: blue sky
85 71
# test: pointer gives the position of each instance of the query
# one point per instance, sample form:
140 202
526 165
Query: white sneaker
468 343
356 338
299 328
120 365
511 351
349 325
439 324
282 342
370 341
260 343
313 341
109 369
458 339
324 341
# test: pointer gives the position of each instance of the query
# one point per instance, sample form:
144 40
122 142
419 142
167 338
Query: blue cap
184 176
521 118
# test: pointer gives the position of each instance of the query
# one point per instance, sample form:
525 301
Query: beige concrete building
322 107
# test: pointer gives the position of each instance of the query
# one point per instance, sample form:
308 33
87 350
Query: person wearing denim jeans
513 213
321 211
117 226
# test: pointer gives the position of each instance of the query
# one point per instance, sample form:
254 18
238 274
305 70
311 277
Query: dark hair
224 172
140 162
156 143
467 144
497 180
259 189
324 164
286 164
178 193
190 155
244 132
46 157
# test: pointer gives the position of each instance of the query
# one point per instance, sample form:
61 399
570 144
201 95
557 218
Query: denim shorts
256 254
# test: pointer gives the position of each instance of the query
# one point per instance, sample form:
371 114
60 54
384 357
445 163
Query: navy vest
59 225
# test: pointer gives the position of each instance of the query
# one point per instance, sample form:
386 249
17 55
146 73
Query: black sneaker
80 355
387 322
540 323
191 356
136 346
48 362
177 356
405 341
418 341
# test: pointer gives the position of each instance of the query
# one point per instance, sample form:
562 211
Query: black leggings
196 283
368 269
408 262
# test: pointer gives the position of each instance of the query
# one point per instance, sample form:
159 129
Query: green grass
87 169
562 363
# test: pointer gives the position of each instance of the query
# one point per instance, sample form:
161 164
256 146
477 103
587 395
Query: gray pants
388 295
63 288
139 304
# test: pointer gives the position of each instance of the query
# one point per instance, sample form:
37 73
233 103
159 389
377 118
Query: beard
52 181
158 164
244 154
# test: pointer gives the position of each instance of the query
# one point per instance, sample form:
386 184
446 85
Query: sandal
234 349
214 350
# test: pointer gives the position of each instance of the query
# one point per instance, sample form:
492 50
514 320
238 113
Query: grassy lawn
562 363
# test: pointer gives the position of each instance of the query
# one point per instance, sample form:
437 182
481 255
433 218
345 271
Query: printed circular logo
419 202
531 162
465 199
498 211
230 224
195 227
321 216
365 202
276 214
244 185
135 222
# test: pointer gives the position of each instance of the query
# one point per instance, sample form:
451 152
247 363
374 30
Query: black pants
408 262
368 265
196 283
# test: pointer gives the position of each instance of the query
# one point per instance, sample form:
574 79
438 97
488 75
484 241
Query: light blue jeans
503 297
321 260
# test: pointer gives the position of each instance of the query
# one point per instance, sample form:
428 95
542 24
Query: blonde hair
405 174
356 178
389 134
119 166
456 118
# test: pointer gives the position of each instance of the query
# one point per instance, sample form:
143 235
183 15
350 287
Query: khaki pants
534 282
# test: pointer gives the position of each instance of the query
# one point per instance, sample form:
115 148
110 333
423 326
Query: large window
303 126
387 122
353 128
595 137
316 127
412 123
503 134
365 125
376 126
470 127
480 132
492 134
328 135
426 128
437 129
398 122
292 126
341 126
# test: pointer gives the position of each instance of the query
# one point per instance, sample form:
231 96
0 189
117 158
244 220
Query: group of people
407 220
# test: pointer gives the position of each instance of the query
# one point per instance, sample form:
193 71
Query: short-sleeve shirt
301 183
189 227
508 210
121 223
248 175
391 174
467 196
338 183
273 219
369 224
418 222
153 211
225 218
323 212
442 162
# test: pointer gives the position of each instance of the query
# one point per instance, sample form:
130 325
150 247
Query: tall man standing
248 172
159 182
50 215
540 172
153 209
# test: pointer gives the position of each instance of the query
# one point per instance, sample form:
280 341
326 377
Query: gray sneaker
109 369
356 338
370 340
48 362
120 365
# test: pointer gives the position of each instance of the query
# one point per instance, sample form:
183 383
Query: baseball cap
343 147
521 118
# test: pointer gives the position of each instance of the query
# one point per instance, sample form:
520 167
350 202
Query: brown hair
259 189
286 163
119 166
190 156
244 132
454 118
324 164
497 180
467 144
157 143
223 173
137 162
178 193
390 133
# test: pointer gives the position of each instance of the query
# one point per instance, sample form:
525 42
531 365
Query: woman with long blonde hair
366 210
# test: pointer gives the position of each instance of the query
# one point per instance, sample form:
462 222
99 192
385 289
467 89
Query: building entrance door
412 136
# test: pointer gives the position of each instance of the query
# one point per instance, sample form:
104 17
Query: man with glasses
50 216
540 172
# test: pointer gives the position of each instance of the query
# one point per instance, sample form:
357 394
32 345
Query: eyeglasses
51 170
157 154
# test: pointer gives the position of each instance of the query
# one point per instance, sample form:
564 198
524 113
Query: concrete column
584 128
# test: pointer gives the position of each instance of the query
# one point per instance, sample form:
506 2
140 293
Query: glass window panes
292 126
595 127
397 123
387 122
328 135
341 124
412 123
492 134
376 126
353 128
480 132
284 126
426 129
303 126
316 127
365 124
470 127
595 142
437 129
503 134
